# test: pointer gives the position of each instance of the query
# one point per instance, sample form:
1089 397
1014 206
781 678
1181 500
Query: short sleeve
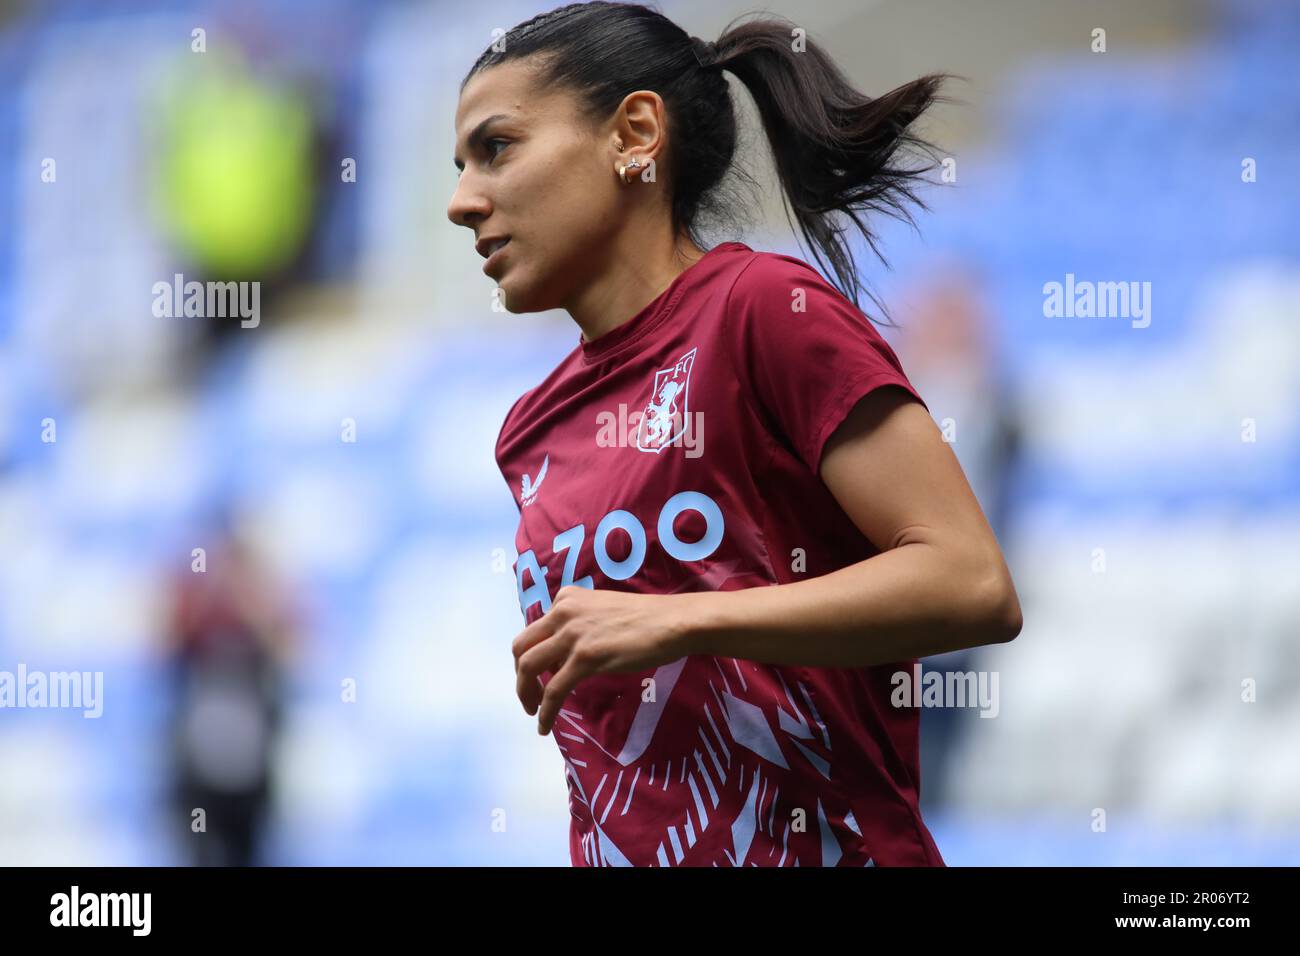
807 353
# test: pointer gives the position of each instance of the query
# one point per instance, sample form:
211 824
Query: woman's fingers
558 688
530 636
547 655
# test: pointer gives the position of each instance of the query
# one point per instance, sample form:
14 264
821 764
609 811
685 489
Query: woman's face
533 171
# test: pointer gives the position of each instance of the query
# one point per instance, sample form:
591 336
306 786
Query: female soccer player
738 520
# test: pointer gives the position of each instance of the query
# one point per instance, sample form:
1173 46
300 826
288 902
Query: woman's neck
633 278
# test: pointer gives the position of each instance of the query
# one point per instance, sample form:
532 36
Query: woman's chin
511 297
519 298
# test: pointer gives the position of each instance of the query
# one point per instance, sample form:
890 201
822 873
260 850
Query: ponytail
837 151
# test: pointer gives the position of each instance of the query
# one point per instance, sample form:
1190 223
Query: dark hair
836 150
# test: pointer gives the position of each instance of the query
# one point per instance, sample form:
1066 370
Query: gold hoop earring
633 163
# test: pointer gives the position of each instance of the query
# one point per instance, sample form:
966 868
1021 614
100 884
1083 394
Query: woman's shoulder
774 292
764 273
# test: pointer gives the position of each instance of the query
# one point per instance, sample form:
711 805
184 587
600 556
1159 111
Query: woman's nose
466 204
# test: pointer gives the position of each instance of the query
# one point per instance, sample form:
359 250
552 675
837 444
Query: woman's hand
589 632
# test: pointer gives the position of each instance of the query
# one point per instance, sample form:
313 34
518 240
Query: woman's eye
492 154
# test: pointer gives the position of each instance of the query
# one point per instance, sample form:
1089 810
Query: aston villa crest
664 419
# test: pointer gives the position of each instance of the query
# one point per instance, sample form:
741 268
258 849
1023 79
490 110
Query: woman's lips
495 258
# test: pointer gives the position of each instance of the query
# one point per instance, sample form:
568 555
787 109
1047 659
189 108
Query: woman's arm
939 584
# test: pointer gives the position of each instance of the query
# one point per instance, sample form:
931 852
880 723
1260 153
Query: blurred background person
231 634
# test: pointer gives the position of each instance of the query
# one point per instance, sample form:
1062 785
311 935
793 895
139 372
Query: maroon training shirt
679 452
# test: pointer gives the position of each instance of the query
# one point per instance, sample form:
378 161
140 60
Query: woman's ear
642 125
